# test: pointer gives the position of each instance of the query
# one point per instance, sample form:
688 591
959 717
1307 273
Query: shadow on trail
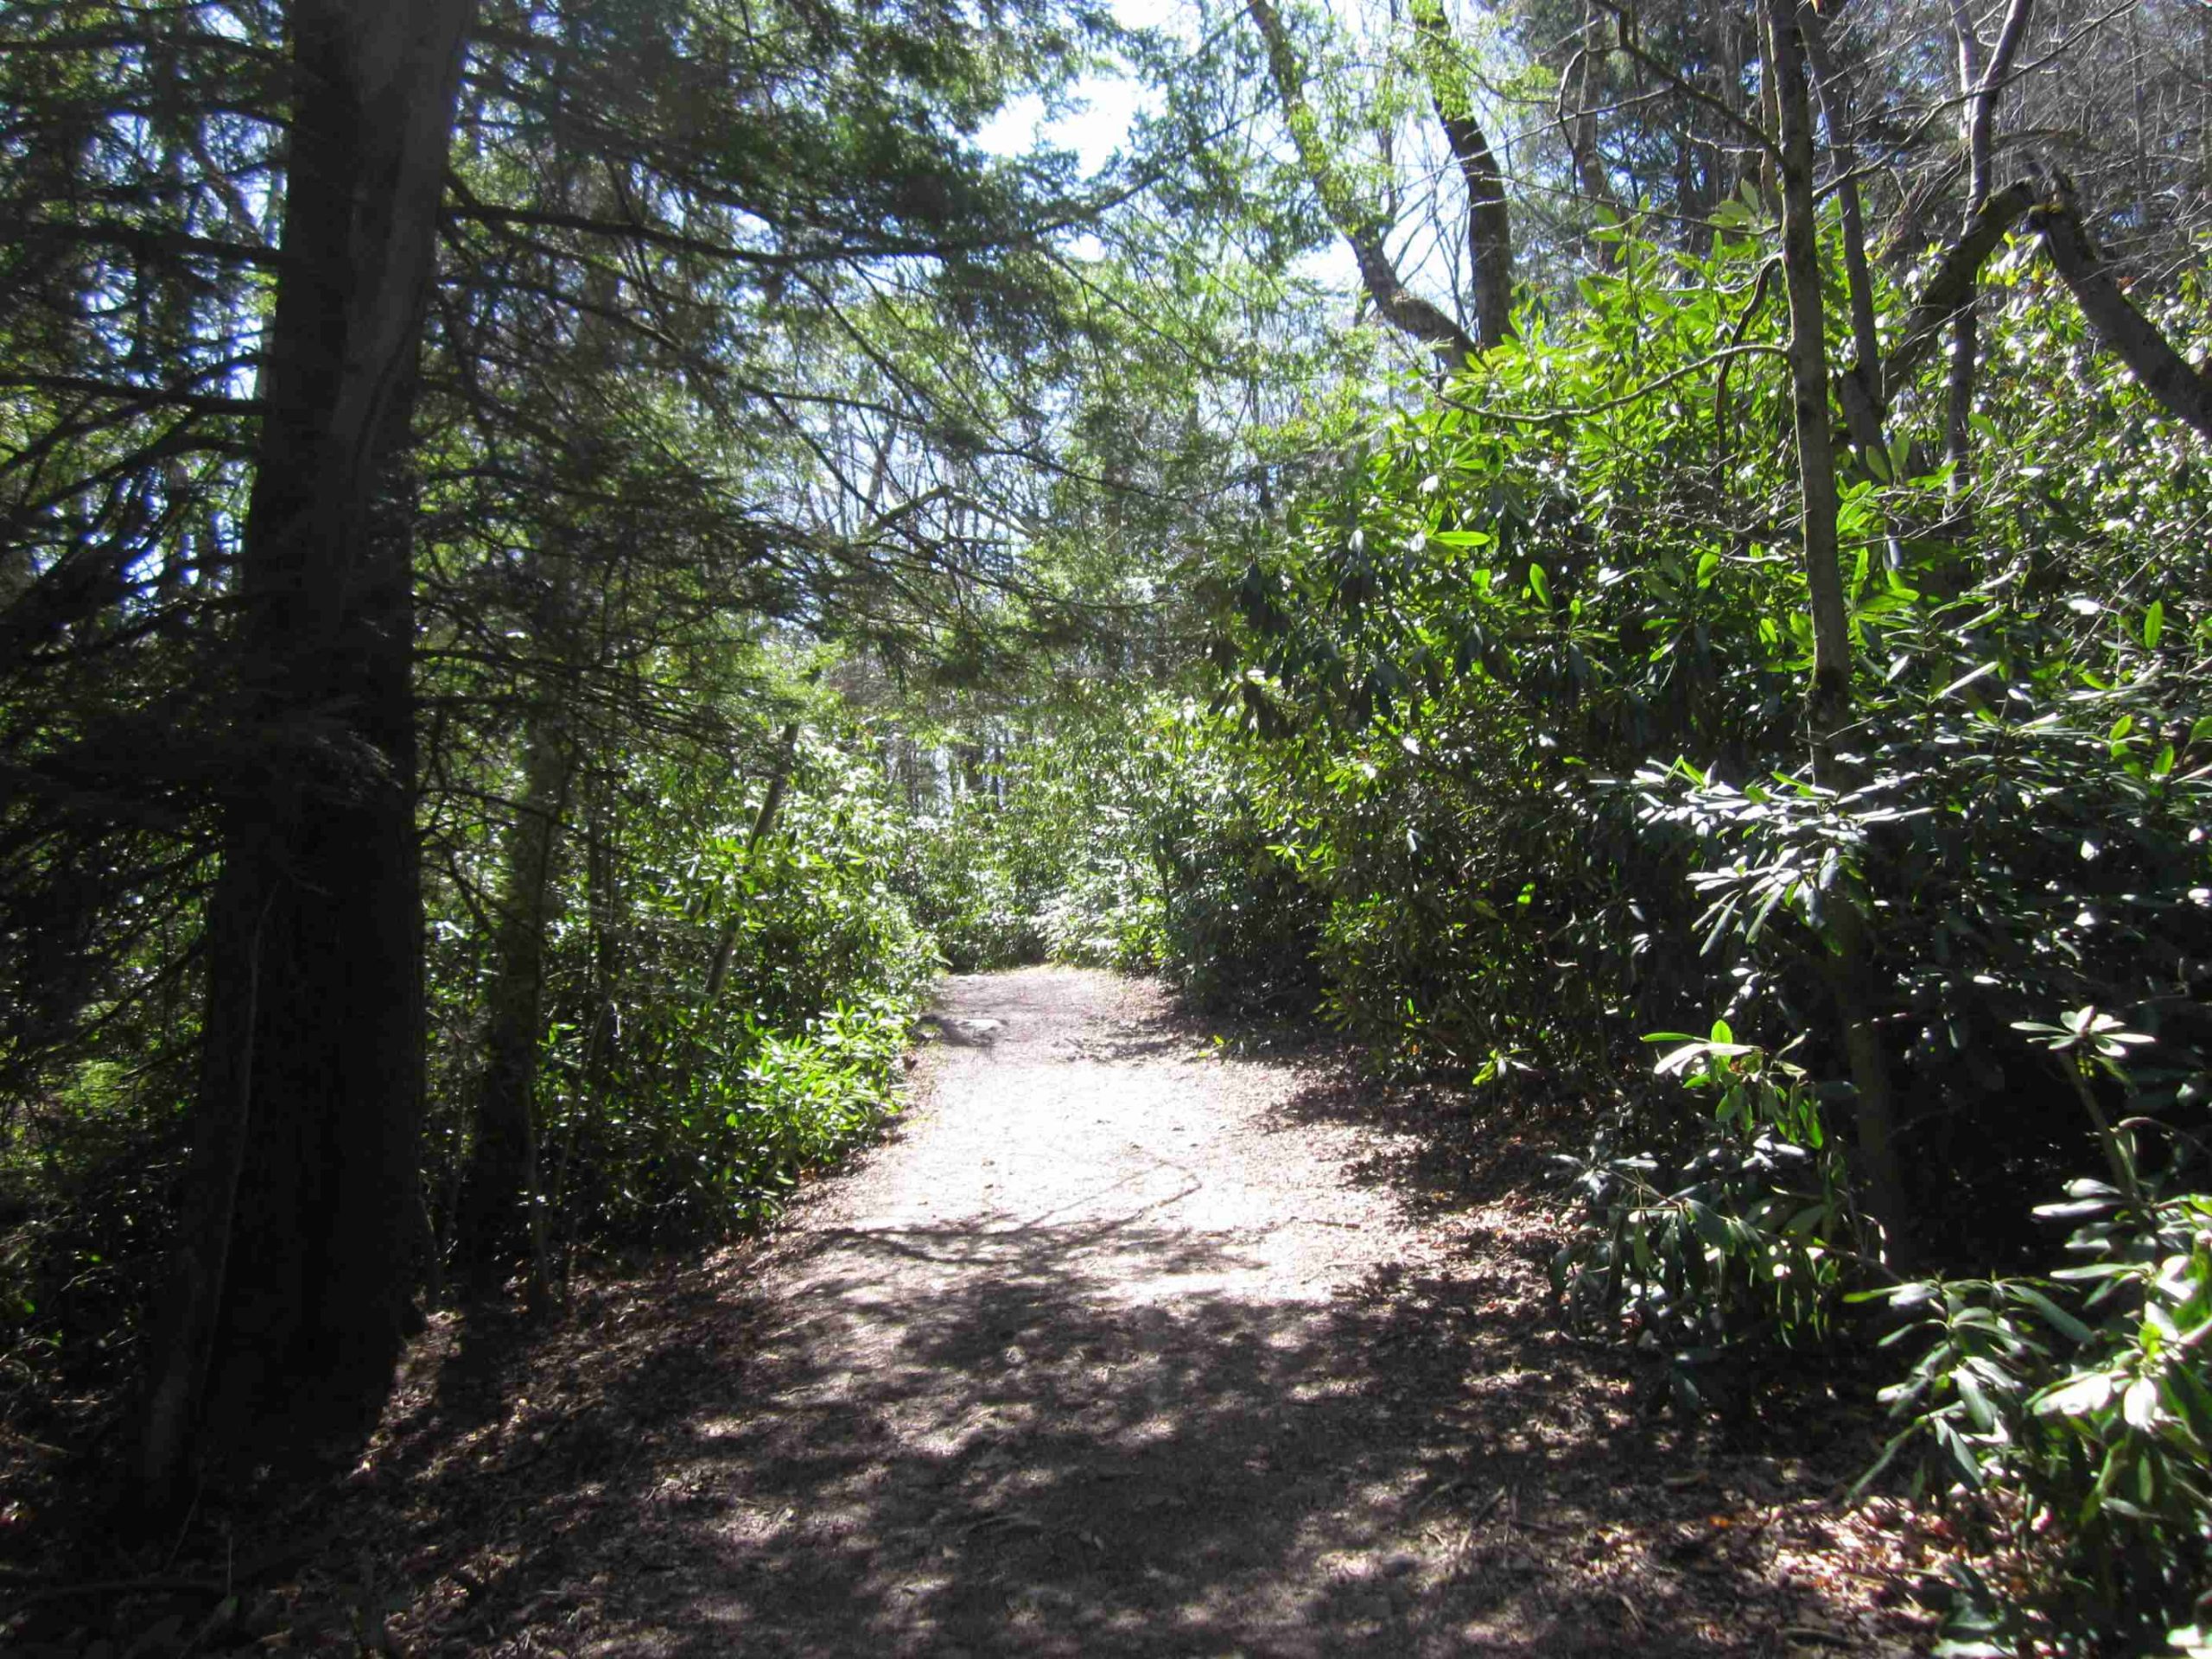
1086 1435
1025 1465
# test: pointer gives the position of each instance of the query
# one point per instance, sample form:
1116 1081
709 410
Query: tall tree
292 1291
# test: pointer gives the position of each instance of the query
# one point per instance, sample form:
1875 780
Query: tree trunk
1859 387
500 1219
1489 229
1981 84
1828 706
1361 227
1952 281
292 1293
1582 130
1808 373
763 821
2182 392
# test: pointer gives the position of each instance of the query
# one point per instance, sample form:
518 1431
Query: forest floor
1123 1342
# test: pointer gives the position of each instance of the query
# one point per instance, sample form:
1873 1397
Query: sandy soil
1121 1344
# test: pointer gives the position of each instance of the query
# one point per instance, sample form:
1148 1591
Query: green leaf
2154 623
1965 680
2080 1396
1963 1457
2139 1406
1707 1224
2053 1315
1984 1415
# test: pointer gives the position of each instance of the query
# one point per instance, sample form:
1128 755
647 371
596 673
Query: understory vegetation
1504 772
560 563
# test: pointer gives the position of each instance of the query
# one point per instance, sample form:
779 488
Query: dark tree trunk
499 1219
292 1283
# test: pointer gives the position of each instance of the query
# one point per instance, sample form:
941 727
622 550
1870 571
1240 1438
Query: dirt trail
1117 1347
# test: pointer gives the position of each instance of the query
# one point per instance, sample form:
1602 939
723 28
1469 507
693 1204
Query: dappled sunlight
1131 1425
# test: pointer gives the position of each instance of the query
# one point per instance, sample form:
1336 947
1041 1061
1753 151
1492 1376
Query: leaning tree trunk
292 1281
2182 391
1360 222
1489 227
1850 969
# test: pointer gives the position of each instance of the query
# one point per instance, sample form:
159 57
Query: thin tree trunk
763 821
1860 388
502 1213
500 1217
1801 270
2050 205
292 1291
1982 83
1582 130
1830 704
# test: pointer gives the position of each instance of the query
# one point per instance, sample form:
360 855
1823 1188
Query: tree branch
1359 225
2181 391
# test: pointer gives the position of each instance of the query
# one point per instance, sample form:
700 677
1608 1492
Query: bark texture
292 1280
